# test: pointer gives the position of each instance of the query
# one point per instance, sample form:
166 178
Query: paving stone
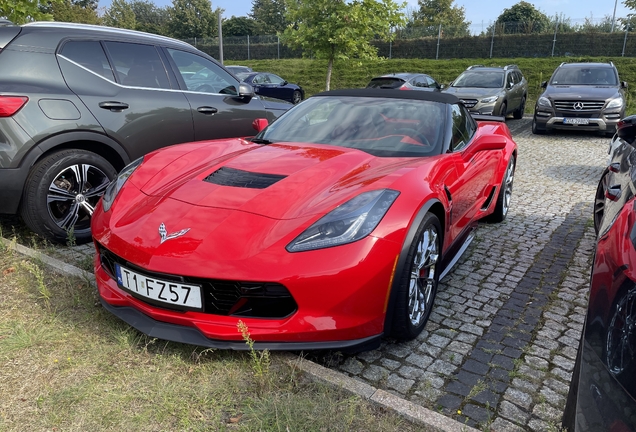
478 414
438 341
352 366
519 398
536 362
402 385
512 412
563 363
547 413
552 397
525 386
537 425
476 367
443 367
375 373
431 379
501 425
449 403
411 372
390 364
370 356
560 373
421 361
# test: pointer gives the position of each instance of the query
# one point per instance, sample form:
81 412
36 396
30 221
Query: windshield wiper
261 141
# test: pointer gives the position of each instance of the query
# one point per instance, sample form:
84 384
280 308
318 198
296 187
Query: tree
239 26
67 11
192 18
522 17
432 13
150 18
269 16
337 29
120 14
23 11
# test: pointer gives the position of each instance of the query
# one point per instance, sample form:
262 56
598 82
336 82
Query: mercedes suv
80 102
581 96
492 90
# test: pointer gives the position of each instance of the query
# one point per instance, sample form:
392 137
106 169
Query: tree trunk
329 68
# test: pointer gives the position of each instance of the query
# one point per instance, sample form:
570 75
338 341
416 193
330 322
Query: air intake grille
244 179
469 103
578 106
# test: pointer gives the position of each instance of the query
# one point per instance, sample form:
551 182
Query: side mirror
246 91
259 124
284 83
485 143
624 84
441 87
544 84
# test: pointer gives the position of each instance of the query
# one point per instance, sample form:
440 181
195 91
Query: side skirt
451 263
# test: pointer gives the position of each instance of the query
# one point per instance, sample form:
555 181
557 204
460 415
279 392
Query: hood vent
238 178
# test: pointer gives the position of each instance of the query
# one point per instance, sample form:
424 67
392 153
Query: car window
391 83
275 79
431 82
260 79
510 80
90 55
419 81
480 79
202 75
138 65
384 127
463 127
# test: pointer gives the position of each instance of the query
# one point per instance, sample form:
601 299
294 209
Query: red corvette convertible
329 229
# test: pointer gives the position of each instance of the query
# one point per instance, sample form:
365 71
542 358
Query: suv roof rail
474 66
562 63
5 22
511 66
612 64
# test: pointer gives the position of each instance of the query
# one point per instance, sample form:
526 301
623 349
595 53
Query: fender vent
489 199
244 179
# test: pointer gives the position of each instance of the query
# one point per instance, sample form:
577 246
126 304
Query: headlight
347 223
615 103
490 99
115 186
544 102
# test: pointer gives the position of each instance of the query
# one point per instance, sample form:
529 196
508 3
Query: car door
279 87
217 110
128 92
470 188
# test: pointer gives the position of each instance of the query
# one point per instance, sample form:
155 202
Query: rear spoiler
486 117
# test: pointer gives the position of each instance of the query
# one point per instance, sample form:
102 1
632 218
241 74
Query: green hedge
311 74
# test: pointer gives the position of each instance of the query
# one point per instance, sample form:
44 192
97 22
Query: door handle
207 110
113 105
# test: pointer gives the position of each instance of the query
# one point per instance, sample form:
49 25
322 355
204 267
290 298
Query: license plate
576 121
163 291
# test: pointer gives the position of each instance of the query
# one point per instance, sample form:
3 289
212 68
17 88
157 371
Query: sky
477 11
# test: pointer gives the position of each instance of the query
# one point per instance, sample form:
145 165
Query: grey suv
583 96
79 102
492 90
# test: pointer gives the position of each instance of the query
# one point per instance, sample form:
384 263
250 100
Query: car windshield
242 75
385 127
481 79
584 76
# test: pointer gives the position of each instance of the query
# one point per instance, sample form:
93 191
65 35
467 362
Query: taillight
627 129
403 87
10 105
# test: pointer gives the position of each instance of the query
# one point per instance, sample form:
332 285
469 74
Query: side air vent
238 178
489 199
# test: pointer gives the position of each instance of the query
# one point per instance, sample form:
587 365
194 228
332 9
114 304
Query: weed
70 237
38 274
477 388
260 361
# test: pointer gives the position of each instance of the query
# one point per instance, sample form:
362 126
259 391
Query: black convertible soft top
432 96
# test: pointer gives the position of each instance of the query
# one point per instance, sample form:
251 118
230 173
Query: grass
311 74
69 365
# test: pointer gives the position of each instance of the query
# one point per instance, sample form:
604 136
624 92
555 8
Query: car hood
581 92
472 92
278 181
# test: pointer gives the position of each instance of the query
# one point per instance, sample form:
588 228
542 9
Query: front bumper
606 122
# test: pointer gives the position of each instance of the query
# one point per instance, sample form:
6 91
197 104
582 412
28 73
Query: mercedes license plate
169 292
576 121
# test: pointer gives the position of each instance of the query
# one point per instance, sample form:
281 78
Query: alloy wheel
423 276
621 335
510 177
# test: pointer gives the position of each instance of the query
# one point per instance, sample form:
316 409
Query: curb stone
413 413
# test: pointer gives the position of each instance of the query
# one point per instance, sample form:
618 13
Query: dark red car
329 229
603 389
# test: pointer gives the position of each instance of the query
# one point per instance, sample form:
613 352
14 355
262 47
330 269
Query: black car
405 81
271 85
80 102
581 96
603 389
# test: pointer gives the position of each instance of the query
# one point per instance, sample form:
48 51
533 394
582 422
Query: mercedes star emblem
578 106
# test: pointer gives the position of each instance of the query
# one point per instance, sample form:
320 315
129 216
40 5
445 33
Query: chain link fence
557 38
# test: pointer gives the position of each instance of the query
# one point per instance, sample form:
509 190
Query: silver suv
492 90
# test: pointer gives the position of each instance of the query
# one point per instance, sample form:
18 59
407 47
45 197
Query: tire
536 129
60 193
416 295
599 200
518 113
503 111
297 97
505 193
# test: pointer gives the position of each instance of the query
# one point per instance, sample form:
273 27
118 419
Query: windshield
385 127
482 79
585 76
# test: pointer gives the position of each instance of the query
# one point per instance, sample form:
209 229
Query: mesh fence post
278 46
220 40
248 47
555 33
625 40
439 35
492 39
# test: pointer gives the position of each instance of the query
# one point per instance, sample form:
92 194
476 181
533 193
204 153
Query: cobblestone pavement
499 349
